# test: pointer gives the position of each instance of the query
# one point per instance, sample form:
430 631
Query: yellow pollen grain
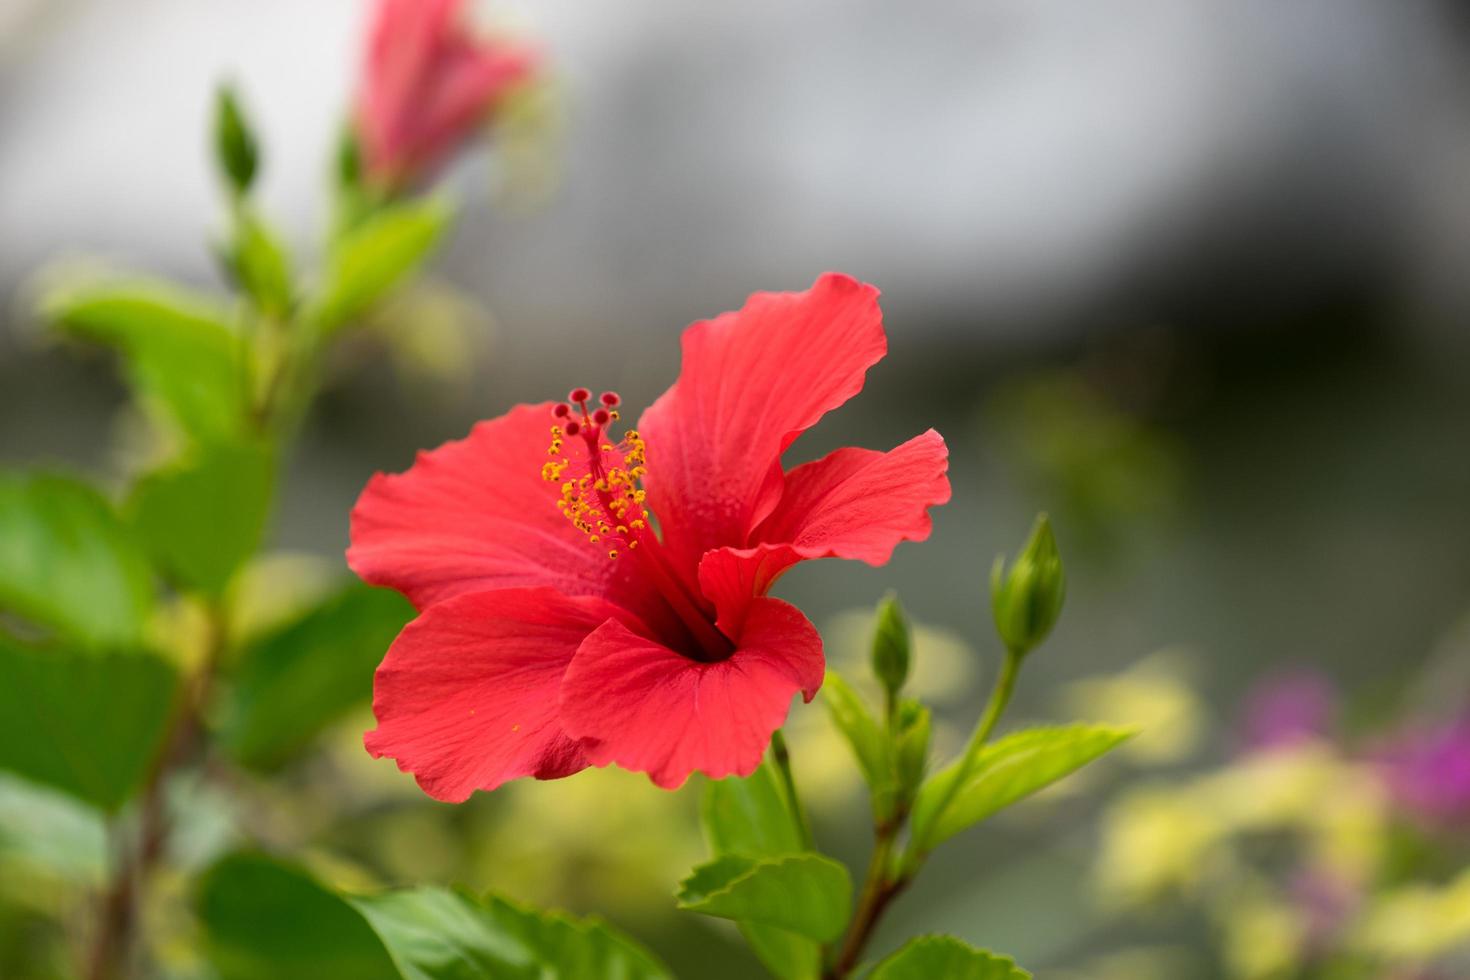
604 501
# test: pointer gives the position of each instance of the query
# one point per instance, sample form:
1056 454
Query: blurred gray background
1190 274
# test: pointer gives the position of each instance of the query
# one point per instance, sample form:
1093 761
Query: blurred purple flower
1428 773
1287 708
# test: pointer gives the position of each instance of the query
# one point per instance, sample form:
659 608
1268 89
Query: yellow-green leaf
931 957
1005 772
803 893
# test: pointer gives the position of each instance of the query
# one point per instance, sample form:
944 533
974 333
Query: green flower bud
891 645
911 746
234 144
349 159
1027 600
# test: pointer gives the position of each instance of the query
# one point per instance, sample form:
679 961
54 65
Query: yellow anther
603 499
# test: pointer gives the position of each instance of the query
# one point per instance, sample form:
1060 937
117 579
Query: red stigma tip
610 399
562 411
600 417
579 395
573 427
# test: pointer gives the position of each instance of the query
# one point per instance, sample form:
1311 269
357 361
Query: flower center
599 489
601 496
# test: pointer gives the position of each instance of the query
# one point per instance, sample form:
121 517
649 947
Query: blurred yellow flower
1263 937
945 668
1418 922
1157 841
1155 696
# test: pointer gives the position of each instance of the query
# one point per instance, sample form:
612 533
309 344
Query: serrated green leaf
930 957
751 817
437 934
67 561
87 724
203 516
1005 772
803 893
264 918
181 355
868 739
376 255
295 680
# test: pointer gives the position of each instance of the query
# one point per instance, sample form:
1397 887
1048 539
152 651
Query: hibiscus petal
751 383
853 503
643 706
860 503
474 515
467 696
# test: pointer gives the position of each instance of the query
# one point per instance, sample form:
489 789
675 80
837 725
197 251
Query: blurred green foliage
89 724
69 563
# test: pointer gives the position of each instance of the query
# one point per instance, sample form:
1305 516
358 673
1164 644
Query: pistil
606 504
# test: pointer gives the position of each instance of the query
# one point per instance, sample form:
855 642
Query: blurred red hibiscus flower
427 83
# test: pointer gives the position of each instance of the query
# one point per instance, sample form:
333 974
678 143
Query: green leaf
266 918
67 561
203 516
437 934
260 264
751 817
183 359
869 742
914 730
1005 772
294 681
929 957
89 725
376 255
263 918
803 893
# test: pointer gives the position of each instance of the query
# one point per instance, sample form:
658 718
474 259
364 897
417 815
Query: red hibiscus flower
588 598
427 81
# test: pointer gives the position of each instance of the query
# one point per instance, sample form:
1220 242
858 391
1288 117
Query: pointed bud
891 645
911 746
348 160
1027 600
234 144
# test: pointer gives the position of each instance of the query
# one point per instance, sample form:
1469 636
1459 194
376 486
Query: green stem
878 891
882 885
1000 697
782 758
112 951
